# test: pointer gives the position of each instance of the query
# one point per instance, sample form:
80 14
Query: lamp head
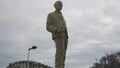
33 47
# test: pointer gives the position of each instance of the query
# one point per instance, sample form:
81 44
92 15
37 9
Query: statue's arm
50 26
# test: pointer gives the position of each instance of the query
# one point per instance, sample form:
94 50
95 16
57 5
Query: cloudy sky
93 26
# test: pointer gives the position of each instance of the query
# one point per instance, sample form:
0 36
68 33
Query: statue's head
58 5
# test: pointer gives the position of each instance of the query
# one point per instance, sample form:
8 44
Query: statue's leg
65 49
61 46
65 43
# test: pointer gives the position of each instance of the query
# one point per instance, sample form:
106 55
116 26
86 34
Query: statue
56 25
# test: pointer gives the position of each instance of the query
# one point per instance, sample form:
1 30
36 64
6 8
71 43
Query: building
23 64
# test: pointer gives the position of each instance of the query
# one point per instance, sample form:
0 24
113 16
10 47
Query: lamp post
33 47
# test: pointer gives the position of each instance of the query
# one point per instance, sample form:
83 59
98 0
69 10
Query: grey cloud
93 30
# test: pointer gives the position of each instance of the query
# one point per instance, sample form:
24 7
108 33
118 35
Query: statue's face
58 5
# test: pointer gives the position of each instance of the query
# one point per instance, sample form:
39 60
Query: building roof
30 62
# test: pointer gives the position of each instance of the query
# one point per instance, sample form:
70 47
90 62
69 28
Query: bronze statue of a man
57 26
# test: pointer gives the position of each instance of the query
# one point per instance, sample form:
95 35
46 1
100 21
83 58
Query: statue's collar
58 12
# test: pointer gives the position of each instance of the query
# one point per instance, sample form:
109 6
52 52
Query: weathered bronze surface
57 26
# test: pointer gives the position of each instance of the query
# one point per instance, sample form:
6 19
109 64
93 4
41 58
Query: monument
56 25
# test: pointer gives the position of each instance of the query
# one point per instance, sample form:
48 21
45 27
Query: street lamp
33 47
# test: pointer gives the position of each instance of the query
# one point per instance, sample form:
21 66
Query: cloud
93 28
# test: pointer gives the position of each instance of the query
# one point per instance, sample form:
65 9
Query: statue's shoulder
51 14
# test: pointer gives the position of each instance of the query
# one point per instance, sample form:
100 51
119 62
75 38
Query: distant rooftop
23 64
